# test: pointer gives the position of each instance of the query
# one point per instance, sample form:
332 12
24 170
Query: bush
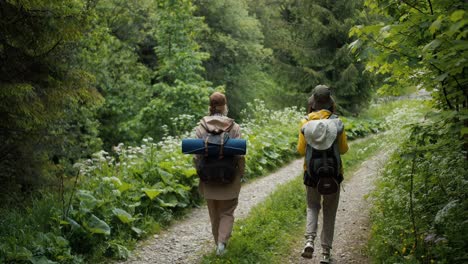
420 204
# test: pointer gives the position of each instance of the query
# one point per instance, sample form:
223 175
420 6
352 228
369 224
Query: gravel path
188 239
352 223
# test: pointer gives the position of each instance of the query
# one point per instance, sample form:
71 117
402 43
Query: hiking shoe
325 258
308 249
220 249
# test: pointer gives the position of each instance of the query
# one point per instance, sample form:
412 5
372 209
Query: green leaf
124 186
123 216
151 193
137 230
432 45
442 77
457 15
20 253
87 200
170 201
97 226
435 25
73 223
42 260
464 131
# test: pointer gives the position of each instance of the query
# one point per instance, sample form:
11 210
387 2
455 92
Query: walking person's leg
330 206
214 217
226 221
313 209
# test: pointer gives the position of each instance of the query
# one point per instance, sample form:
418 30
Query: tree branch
430 6
390 48
446 98
413 6
464 91
413 221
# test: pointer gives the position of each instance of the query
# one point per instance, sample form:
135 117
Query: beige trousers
329 205
222 218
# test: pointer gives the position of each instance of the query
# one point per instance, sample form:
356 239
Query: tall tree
310 42
238 58
148 66
46 114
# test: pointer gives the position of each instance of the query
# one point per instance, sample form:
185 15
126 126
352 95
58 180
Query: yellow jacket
302 144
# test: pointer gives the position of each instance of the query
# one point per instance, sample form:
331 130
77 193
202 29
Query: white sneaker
308 249
325 258
220 249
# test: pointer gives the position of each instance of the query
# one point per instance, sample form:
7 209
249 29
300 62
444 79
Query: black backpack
323 168
219 169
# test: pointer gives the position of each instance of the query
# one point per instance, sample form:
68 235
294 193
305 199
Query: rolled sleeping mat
232 147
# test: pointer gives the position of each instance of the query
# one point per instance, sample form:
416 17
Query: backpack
219 169
323 168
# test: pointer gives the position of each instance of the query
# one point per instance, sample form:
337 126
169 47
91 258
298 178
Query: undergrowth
420 212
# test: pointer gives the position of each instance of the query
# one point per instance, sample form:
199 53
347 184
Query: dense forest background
84 78
84 75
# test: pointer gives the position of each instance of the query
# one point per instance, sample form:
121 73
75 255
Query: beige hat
320 134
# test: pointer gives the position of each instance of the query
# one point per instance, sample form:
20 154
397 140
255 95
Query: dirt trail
352 223
187 240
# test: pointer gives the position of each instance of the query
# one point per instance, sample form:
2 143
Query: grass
276 225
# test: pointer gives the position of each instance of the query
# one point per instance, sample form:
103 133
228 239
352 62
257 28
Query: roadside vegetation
420 203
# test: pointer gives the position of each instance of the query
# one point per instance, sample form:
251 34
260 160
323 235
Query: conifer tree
46 110
238 59
310 44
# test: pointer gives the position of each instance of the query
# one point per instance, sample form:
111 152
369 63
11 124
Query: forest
96 95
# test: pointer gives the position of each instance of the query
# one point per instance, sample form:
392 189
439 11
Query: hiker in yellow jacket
321 106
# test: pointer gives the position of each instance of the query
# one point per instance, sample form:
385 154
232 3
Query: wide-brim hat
320 134
321 98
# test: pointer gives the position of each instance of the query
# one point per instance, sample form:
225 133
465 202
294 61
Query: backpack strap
221 146
206 146
325 160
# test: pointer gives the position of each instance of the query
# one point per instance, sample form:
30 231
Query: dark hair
310 109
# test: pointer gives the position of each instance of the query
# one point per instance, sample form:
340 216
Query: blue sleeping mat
231 147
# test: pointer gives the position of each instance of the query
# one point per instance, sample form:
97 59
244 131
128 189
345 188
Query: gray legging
329 204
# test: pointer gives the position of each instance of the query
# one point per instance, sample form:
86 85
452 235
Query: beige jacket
220 192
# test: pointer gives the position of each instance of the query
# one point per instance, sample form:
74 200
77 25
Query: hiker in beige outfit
221 199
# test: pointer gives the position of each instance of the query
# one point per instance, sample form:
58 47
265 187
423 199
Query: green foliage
270 139
356 128
425 182
420 44
31 234
48 103
237 55
309 40
148 66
